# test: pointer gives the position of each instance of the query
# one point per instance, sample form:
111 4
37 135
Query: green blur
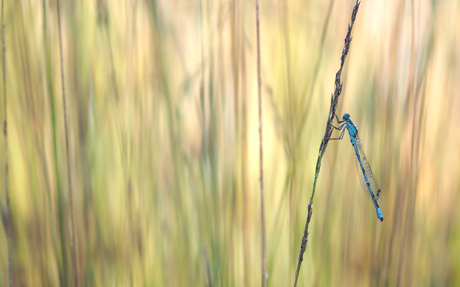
164 144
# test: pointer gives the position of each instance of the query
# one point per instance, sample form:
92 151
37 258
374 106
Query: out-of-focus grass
162 112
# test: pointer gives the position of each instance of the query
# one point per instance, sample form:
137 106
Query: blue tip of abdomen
379 214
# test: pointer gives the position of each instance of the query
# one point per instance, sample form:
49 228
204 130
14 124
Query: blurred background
163 138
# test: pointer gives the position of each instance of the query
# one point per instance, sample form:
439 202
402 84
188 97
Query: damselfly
368 182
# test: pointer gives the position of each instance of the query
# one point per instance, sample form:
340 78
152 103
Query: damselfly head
346 117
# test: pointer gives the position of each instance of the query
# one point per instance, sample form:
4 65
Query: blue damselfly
368 182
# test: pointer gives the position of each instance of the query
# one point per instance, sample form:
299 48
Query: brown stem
7 189
262 210
73 243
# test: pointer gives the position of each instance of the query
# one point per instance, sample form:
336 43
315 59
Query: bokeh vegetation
163 132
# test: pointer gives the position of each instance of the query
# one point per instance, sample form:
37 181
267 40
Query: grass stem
261 157
327 136
73 243
5 133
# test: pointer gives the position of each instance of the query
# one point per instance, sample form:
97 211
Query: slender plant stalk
60 256
208 270
73 243
5 133
327 136
261 153
244 160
